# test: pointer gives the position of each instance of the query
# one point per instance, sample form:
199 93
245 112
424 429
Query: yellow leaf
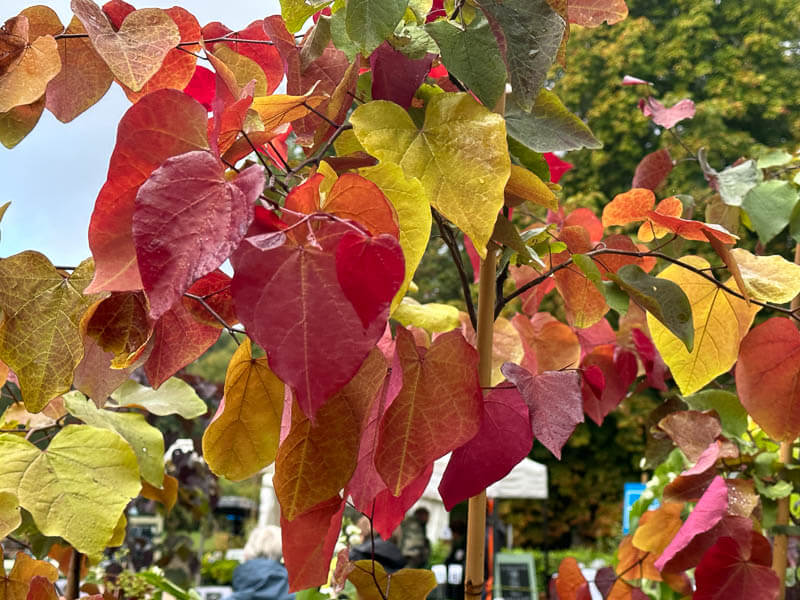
405 584
39 337
10 517
460 156
413 215
243 436
278 109
720 323
118 537
27 81
77 488
768 278
432 317
19 122
244 69
347 143
525 186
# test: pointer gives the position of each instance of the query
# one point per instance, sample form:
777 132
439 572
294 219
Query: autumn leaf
465 186
135 52
584 304
405 584
592 13
740 568
666 117
524 186
10 516
439 386
174 397
308 543
655 534
244 70
720 322
570 582
317 459
503 440
26 80
279 109
179 64
390 510
215 290
39 336
555 403
188 219
768 278
15 585
648 231
629 207
119 324
550 345
78 488
297 277
652 170
243 435
163 124
19 122
166 495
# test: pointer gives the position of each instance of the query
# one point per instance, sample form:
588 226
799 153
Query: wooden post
476 517
74 576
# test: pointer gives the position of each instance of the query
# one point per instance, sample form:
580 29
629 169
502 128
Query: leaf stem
452 245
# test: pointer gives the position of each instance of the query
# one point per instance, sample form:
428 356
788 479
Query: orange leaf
550 345
634 563
657 531
27 81
14 586
19 122
135 52
629 207
279 109
316 460
440 385
120 325
62 554
167 495
671 207
584 304
14 36
571 583
692 230
179 64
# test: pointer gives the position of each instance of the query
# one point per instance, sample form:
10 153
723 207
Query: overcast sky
53 176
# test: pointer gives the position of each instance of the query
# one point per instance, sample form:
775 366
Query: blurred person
262 576
385 552
414 542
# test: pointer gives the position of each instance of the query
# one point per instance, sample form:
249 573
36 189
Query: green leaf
77 488
662 298
39 337
316 43
549 126
146 441
295 13
773 158
775 491
370 22
339 35
533 161
769 206
463 180
472 56
731 413
735 182
173 397
533 32
413 41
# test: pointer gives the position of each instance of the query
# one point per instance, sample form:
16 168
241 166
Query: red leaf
395 76
326 72
598 334
737 569
318 342
40 588
614 262
202 86
267 57
474 260
532 298
163 124
116 11
585 218
366 483
554 401
557 166
179 340
653 363
504 439
619 371
370 271
706 514
216 289
308 543
652 170
440 385
766 377
390 510
188 220
666 117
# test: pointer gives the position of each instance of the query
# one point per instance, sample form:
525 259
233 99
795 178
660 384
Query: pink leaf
504 439
631 80
557 166
666 117
395 76
554 401
187 221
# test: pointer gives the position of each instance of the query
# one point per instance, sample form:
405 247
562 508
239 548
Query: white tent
527 480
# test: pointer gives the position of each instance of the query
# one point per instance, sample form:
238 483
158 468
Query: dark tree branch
225 325
452 245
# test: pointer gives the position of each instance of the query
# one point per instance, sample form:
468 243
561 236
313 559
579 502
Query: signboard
631 494
514 577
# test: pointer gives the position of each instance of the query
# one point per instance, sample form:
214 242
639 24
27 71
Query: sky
53 176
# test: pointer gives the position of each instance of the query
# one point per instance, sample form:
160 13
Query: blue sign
631 494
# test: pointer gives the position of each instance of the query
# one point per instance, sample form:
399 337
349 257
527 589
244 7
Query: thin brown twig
450 241
217 317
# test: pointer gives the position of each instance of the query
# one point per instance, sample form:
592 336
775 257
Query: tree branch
231 331
452 245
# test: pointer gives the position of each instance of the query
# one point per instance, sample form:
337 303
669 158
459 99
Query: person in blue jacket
262 576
